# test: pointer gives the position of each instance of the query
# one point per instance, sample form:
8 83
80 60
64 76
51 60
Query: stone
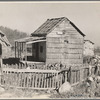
98 79
90 79
48 91
65 88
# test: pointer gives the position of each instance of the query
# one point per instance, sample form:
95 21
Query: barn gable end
64 44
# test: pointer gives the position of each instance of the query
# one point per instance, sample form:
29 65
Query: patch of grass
79 91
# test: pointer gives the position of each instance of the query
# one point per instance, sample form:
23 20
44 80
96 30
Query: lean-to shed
57 40
5 46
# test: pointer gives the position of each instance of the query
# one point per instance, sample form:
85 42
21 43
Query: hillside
12 34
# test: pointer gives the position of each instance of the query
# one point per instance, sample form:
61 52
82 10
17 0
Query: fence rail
35 65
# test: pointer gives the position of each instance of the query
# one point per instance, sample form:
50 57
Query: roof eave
39 35
77 29
89 41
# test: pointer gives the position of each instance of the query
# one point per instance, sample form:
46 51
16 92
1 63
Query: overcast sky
27 17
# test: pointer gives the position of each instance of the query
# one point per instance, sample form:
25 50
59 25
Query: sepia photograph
50 50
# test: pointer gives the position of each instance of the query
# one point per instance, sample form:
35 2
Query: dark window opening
34 46
41 49
66 41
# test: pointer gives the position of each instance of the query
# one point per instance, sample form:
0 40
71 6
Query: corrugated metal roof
50 24
28 39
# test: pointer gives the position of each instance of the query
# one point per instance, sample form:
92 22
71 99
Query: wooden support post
22 53
81 74
15 49
22 47
18 48
26 52
42 80
21 50
70 75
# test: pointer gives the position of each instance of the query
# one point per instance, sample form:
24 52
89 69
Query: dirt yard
79 91
25 93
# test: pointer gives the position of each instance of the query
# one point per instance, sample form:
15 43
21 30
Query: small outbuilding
57 40
88 48
5 46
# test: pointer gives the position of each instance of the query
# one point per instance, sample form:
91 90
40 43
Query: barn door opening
39 51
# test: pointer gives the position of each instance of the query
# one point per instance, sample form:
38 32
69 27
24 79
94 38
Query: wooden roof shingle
50 24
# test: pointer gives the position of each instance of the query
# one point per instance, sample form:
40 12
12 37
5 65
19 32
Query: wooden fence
79 74
37 78
31 78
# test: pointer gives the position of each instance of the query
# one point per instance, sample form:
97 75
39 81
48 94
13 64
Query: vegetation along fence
41 78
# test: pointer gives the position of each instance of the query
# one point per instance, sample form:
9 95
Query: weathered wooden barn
57 40
5 46
88 48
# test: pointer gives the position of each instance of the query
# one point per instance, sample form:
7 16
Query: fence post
70 75
81 74
16 66
66 78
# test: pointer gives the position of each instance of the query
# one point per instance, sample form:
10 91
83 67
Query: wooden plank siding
76 46
66 48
